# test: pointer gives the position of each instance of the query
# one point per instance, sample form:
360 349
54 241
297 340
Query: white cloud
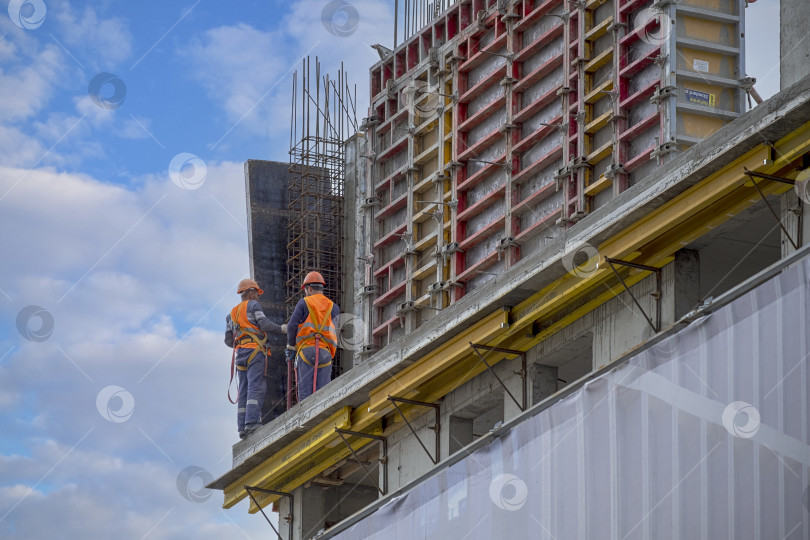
248 71
133 277
27 88
99 43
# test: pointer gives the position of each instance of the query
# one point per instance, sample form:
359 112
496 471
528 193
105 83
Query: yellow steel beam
471 366
314 465
437 360
684 205
292 454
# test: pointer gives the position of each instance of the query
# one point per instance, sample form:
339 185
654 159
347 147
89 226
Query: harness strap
233 362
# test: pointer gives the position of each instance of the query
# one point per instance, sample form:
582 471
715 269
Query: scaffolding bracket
435 427
288 518
656 295
752 176
523 403
383 457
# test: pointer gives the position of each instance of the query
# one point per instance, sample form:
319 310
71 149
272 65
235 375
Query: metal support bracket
383 457
656 295
523 370
288 517
435 427
753 176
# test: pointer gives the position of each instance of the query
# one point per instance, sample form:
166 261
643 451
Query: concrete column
308 512
686 286
542 382
507 370
353 270
794 46
792 213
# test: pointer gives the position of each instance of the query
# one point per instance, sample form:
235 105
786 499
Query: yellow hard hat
313 278
247 284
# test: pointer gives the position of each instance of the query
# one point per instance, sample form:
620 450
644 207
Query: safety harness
245 336
319 328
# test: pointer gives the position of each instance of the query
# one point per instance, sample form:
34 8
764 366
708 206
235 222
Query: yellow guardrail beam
438 360
291 455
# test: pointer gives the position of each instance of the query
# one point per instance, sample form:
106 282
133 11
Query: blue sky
113 389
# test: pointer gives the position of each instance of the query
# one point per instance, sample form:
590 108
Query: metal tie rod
522 373
383 458
752 176
272 492
656 295
435 406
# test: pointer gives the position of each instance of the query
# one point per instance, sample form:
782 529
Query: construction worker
311 337
245 329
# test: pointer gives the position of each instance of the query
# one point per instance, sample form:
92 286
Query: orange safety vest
248 335
318 324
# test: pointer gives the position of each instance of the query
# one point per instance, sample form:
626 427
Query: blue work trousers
251 388
304 371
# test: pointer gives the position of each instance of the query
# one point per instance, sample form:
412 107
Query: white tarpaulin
703 436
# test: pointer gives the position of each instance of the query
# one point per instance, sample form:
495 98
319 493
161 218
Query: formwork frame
546 110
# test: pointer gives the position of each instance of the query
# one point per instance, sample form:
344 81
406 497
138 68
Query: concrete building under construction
569 240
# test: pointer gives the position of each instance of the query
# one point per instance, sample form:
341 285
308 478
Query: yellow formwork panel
706 63
715 32
728 7
698 125
599 30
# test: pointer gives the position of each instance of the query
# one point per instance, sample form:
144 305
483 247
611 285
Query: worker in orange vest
311 337
245 331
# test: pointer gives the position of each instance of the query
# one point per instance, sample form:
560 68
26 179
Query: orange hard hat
313 277
246 284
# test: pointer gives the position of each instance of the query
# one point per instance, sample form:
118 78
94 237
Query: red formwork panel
529 104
